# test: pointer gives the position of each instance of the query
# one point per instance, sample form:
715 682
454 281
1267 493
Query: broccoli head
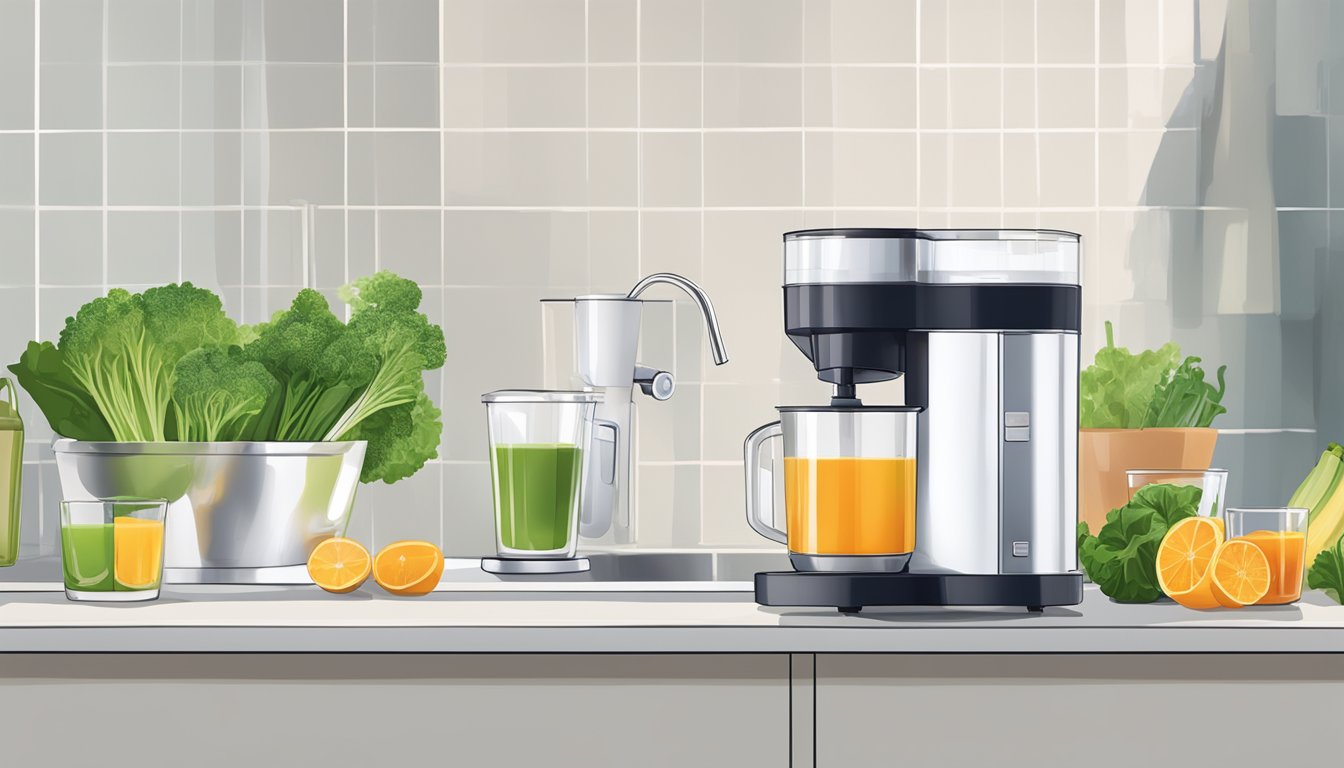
295 347
216 391
401 439
122 349
388 337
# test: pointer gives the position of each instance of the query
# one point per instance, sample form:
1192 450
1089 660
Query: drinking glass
849 486
1281 533
538 461
1212 483
112 549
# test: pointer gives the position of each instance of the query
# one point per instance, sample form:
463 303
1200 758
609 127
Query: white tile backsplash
504 151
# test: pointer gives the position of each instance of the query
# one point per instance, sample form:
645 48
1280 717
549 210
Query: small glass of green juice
538 461
112 549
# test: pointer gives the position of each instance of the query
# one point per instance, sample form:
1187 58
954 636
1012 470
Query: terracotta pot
1105 454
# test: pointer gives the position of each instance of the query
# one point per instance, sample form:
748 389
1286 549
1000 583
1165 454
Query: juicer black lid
849 408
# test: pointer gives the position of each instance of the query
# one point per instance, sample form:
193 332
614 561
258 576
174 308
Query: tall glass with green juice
112 550
11 472
538 442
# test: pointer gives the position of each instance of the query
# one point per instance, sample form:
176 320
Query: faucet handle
655 383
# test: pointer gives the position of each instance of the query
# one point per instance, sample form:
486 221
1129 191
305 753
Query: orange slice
1240 574
339 565
408 567
1183 560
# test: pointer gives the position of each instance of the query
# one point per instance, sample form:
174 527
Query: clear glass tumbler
849 486
1281 533
538 461
1211 482
112 550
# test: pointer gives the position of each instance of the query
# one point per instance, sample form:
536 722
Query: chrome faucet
607 340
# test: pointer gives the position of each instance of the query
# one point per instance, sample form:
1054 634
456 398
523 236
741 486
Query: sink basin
632 570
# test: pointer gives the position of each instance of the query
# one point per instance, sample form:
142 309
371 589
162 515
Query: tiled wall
503 151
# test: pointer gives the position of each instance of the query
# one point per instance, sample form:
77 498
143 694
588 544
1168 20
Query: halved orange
1240 574
339 565
408 567
1183 560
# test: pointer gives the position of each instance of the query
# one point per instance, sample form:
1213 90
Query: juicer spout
716 348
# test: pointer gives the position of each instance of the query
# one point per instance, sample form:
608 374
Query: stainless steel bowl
237 512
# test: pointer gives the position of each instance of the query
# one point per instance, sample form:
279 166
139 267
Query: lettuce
1154 388
1327 572
1122 558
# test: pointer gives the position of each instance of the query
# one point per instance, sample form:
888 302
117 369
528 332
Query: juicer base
851 592
519 566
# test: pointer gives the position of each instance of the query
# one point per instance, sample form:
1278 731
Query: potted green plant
1152 409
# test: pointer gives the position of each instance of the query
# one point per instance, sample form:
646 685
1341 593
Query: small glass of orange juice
1281 533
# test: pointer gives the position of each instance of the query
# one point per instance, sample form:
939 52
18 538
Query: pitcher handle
607 472
752 448
10 393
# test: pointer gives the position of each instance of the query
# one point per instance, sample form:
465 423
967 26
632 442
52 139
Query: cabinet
350 710
1092 710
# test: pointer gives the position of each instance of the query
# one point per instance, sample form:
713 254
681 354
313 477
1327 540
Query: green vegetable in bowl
217 392
292 346
388 340
1327 572
401 439
1154 388
122 349
168 364
1122 557
43 374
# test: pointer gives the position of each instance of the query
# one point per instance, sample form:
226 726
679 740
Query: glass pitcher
849 486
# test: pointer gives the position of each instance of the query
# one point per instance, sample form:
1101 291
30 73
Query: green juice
87 557
536 494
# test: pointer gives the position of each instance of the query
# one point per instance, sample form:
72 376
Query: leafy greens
1327 572
1122 557
1154 388
169 364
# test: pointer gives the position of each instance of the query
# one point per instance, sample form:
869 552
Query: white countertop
652 618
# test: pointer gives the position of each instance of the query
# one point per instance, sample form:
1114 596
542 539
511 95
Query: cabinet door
365 710
1093 711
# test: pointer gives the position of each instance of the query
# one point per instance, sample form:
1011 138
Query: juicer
983 327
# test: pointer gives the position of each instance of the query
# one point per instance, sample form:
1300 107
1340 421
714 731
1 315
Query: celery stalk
1320 482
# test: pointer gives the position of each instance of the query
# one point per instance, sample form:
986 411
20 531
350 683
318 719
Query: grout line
919 116
443 243
760 64
181 54
103 135
242 188
1003 124
503 129
588 149
37 242
945 209
1036 96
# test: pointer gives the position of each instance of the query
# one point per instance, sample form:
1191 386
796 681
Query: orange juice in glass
1281 533
849 486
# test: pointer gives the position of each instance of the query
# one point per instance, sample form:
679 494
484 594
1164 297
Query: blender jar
849 486
538 461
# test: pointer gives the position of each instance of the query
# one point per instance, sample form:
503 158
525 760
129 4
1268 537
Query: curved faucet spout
716 347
